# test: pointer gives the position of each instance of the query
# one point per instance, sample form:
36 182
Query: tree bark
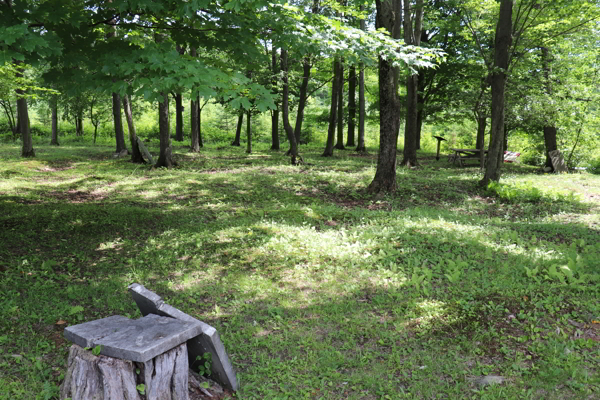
91 377
361 99
502 45
549 129
293 151
351 105
136 154
23 120
550 143
248 132
178 117
238 129
328 152
118 122
481 126
340 108
195 134
165 158
412 36
274 113
306 66
389 16
200 140
54 105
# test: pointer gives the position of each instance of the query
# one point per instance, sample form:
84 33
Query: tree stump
90 377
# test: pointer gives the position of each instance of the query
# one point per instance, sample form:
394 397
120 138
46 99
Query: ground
318 289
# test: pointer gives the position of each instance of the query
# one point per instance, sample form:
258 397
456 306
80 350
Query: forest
325 182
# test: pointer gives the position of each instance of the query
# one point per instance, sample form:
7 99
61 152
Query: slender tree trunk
136 154
119 133
412 37
420 106
165 158
23 120
389 16
274 113
340 108
361 99
293 151
328 152
306 66
549 128
275 129
200 140
481 127
248 132
195 134
54 105
178 117
502 45
351 105
238 129
550 143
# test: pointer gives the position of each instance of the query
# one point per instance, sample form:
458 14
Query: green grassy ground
318 289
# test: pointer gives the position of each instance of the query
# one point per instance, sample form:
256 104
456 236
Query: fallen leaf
61 322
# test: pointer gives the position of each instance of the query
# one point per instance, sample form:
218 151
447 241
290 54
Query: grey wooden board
136 340
207 342
144 150
558 162
85 335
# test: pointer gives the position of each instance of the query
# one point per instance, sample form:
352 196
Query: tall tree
361 98
412 36
502 44
293 151
333 114
389 17
136 154
165 157
340 108
351 105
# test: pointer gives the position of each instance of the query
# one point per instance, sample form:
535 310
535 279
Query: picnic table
461 155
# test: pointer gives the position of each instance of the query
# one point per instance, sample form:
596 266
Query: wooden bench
461 155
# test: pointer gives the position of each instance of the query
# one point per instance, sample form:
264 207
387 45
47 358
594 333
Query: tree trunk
79 124
165 158
238 129
351 105
178 117
306 66
340 109
119 133
195 134
23 120
274 113
420 105
333 110
550 143
200 140
6 104
293 151
389 16
248 132
549 128
91 377
275 129
502 45
412 36
136 154
54 105
481 126
361 99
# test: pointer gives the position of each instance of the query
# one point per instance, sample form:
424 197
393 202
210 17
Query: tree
412 36
136 154
389 16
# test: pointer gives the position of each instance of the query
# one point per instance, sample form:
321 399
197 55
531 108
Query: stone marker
558 162
208 341
135 340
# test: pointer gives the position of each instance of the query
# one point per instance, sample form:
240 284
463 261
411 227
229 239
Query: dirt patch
76 196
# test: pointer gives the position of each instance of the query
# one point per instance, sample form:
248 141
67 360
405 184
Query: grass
318 290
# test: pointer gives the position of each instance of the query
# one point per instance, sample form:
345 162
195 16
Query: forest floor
318 289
